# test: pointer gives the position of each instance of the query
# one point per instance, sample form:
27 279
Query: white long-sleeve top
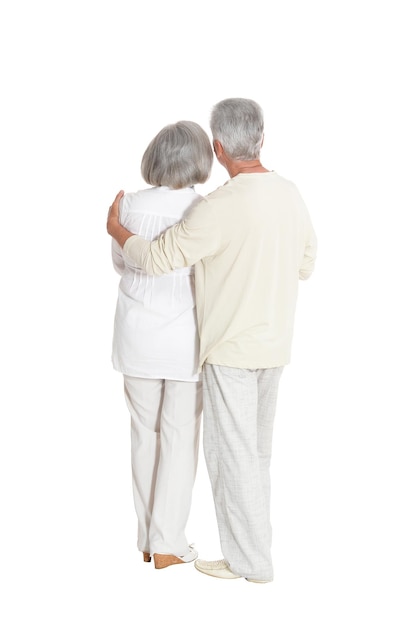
155 331
251 241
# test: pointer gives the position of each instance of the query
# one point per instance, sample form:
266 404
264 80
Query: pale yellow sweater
250 240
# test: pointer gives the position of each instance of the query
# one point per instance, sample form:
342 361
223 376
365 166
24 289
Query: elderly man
251 241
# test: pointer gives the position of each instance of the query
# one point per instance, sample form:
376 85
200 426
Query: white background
85 86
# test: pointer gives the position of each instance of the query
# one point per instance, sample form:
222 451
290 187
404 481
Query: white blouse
155 328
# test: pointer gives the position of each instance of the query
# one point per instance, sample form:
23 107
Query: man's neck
245 167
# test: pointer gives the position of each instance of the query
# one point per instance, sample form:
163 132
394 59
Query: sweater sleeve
182 245
310 253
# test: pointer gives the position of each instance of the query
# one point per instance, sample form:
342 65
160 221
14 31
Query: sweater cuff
136 248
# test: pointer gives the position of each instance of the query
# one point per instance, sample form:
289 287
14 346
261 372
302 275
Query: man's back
247 287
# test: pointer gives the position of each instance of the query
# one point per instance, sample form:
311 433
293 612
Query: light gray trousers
238 417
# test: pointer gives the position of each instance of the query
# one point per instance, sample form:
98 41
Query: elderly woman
156 347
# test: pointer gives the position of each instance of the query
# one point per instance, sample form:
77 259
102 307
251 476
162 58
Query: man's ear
218 148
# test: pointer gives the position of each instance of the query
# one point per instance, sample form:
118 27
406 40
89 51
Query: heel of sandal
165 560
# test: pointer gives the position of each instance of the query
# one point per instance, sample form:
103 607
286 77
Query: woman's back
155 331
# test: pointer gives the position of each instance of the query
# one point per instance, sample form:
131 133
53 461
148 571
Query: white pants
239 412
165 430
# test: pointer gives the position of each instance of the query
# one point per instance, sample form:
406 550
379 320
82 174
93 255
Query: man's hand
114 228
113 214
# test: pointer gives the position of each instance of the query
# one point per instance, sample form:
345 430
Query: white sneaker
219 569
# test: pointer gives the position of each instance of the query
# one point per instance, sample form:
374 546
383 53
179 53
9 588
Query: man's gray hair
238 123
179 156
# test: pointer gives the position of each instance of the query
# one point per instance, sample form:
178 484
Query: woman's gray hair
179 156
238 123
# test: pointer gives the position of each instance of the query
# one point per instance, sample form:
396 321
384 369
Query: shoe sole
262 582
216 573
